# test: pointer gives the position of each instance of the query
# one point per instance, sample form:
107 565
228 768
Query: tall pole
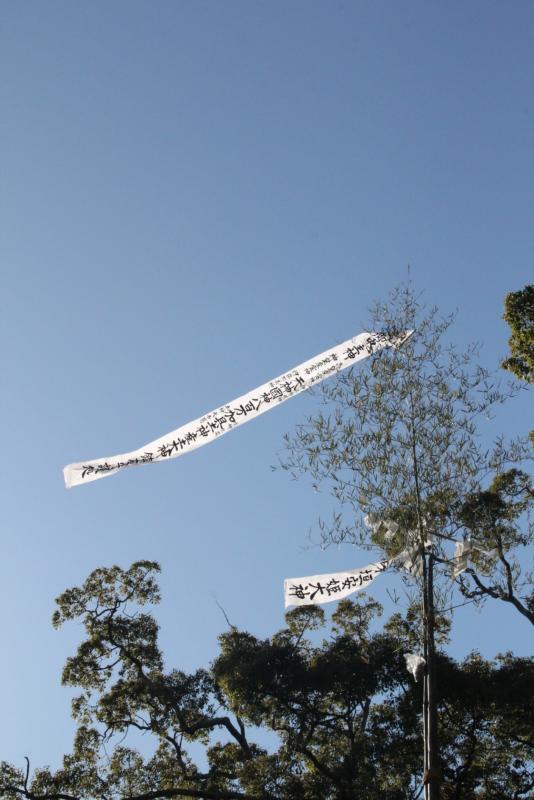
425 674
432 775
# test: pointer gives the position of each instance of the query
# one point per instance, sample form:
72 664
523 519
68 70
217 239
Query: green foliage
399 438
519 314
344 710
499 519
483 755
401 429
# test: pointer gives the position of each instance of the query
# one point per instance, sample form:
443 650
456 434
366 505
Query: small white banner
415 664
316 589
258 401
462 551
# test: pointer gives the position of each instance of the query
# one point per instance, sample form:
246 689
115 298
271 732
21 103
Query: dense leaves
345 713
519 314
499 518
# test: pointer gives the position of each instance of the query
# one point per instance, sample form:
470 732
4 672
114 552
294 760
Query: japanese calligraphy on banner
223 419
317 589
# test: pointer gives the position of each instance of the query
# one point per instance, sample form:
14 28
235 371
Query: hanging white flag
316 589
411 560
462 551
415 664
207 428
375 522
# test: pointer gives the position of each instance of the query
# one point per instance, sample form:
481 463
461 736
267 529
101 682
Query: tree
498 518
345 710
519 314
398 440
401 439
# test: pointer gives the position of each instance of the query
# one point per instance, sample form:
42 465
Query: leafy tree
498 517
400 440
404 438
519 314
486 753
345 710
401 437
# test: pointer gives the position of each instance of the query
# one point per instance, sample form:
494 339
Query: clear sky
197 196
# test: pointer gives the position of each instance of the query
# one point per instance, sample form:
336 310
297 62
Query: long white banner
207 428
316 589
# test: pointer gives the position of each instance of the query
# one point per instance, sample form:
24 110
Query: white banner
415 664
223 419
316 589
462 551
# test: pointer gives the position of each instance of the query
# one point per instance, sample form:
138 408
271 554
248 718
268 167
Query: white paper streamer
415 664
316 589
207 428
410 560
391 530
374 522
462 551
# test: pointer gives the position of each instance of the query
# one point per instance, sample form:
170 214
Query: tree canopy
344 710
519 314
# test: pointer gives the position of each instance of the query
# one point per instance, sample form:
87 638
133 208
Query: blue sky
196 197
